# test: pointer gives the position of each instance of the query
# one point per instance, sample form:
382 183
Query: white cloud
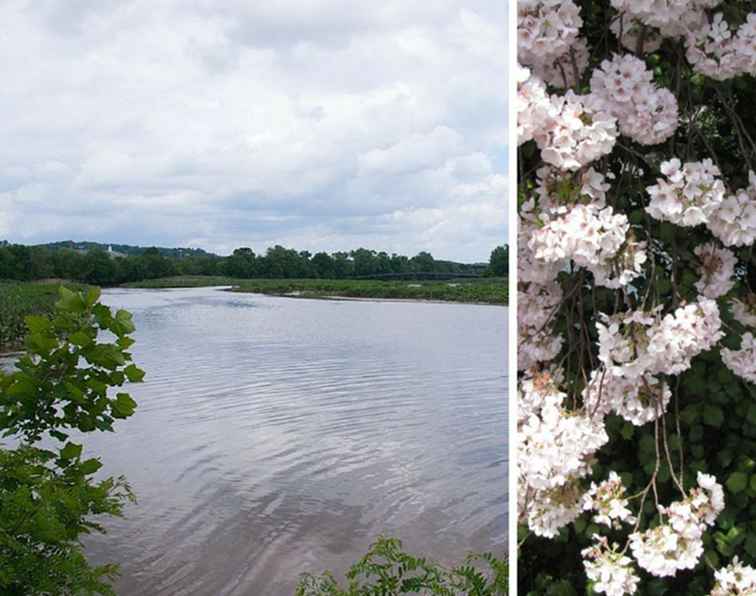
307 123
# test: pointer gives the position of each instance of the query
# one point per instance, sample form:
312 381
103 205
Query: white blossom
611 571
734 580
609 501
742 361
689 194
733 220
623 88
716 270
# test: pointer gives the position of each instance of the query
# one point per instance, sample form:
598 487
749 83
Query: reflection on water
276 436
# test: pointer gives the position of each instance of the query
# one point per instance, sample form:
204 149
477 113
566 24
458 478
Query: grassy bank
183 281
486 291
19 299
481 290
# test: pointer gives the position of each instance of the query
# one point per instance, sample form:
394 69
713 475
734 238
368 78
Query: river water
276 436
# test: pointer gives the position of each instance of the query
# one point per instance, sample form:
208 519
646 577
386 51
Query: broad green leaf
736 482
70 451
133 373
90 466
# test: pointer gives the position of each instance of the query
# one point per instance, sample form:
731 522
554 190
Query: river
276 436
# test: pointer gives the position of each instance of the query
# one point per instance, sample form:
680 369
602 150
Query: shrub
49 496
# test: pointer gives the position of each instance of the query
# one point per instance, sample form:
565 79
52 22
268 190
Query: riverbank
20 299
486 290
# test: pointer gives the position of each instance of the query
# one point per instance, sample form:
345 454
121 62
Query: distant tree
323 265
498 263
343 265
242 263
156 265
100 267
382 263
422 261
400 264
364 261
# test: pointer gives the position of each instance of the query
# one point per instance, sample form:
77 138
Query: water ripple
278 436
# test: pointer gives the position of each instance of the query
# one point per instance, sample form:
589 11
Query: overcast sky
317 124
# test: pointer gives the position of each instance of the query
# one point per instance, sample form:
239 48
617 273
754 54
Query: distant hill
126 249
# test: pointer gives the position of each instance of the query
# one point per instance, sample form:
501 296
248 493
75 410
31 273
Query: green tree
48 495
241 263
422 262
498 263
323 265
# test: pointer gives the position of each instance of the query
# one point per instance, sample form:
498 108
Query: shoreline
336 297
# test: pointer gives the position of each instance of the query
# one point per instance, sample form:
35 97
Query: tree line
97 266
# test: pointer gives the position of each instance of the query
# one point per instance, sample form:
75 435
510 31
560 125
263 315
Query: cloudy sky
317 124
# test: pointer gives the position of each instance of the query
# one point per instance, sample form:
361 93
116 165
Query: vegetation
88 263
183 281
488 291
482 290
17 300
387 570
49 497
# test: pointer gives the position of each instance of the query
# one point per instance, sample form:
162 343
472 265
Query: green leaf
70 451
713 415
736 482
93 295
90 466
80 339
133 373
58 435
70 301
123 406
38 324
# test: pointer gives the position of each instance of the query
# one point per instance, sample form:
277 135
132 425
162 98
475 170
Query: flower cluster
574 134
744 311
716 270
672 18
638 400
609 501
546 30
637 343
735 579
743 361
532 104
678 543
623 88
734 219
556 450
714 50
689 194
536 306
609 568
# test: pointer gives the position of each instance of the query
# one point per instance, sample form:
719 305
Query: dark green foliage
48 496
17 300
498 264
90 263
387 570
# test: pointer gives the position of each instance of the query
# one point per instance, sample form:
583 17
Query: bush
386 569
49 496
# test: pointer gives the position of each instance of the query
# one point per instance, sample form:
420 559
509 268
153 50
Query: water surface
276 436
